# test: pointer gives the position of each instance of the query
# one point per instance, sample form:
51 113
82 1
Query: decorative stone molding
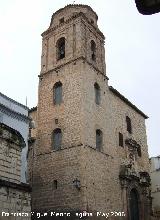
128 173
145 179
70 19
11 136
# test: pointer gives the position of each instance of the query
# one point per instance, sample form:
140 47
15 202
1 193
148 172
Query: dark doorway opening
134 206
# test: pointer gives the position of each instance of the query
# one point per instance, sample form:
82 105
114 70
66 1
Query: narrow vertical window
55 184
97 93
57 139
57 90
93 50
121 139
139 151
99 139
129 125
61 48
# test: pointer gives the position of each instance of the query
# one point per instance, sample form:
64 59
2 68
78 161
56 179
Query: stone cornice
80 14
71 61
15 138
20 186
74 146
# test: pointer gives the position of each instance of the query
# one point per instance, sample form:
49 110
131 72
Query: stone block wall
14 203
15 199
10 156
78 116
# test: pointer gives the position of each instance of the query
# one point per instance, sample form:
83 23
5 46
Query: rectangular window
57 139
58 95
139 151
97 93
99 138
128 123
121 140
55 184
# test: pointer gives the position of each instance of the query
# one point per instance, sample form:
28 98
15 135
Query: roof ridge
14 101
116 92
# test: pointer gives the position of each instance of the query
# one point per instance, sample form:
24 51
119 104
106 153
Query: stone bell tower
73 60
75 158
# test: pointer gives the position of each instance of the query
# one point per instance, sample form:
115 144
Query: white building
155 179
15 115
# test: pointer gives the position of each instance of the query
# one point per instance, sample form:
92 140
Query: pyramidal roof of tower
75 5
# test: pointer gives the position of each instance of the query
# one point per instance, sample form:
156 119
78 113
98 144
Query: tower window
99 139
61 48
129 125
97 93
57 139
57 90
120 139
93 50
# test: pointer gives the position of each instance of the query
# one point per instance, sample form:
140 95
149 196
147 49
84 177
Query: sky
132 53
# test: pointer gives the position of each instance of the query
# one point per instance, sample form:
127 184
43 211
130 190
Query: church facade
89 149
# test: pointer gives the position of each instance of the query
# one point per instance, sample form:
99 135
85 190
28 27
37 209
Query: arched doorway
134 206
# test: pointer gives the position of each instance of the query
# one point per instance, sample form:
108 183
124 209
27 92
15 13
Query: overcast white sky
132 52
